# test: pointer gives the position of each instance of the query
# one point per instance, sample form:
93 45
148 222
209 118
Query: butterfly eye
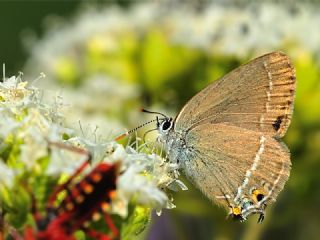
166 125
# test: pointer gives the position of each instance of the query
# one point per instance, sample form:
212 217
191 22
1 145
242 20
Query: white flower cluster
99 100
252 28
220 28
26 119
26 122
144 178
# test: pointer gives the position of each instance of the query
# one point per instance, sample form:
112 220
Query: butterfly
227 138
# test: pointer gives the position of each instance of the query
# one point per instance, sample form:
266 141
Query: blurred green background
111 58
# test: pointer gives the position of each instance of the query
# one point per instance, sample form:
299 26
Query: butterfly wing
232 130
236 163
257 96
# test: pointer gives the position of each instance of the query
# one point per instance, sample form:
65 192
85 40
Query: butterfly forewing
228 163
257 96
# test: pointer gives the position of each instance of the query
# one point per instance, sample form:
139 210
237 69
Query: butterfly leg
261 218
262 213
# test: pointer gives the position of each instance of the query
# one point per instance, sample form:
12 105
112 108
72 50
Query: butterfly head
164 125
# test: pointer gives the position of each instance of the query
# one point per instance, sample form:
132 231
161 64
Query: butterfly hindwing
227 163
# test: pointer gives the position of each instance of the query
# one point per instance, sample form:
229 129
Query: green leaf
136 222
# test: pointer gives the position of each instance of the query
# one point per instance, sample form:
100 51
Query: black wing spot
260 197
277 123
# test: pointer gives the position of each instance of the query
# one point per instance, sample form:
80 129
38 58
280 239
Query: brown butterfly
227 138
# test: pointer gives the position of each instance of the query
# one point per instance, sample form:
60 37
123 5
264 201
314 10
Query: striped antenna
135 129
158 113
